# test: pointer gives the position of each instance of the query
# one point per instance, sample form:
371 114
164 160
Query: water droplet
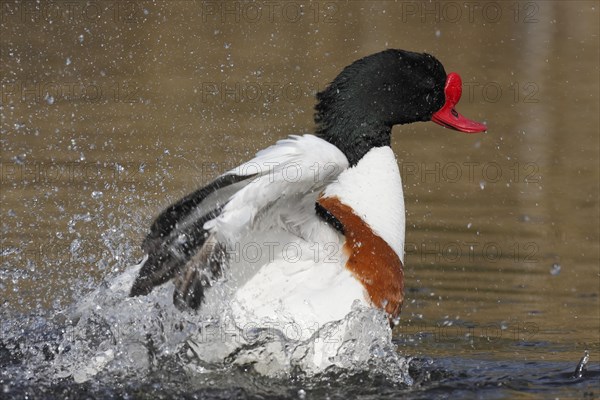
555 270
97 194
19 159
49 99
75 245
68 61
301 393
482 185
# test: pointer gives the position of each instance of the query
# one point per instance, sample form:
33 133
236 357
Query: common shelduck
315 223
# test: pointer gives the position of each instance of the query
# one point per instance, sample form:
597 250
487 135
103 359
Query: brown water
111 110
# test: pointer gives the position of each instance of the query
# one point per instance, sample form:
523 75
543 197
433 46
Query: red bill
448 116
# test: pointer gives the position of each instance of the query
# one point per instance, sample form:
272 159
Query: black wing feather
166 222
167 259
176 246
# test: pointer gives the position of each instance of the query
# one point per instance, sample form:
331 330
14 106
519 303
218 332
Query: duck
313 225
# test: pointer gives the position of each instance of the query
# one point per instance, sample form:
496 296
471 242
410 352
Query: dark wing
178 244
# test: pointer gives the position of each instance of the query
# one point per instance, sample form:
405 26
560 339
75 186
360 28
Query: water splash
109 332
582 365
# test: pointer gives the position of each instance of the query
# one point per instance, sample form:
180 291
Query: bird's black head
357 111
